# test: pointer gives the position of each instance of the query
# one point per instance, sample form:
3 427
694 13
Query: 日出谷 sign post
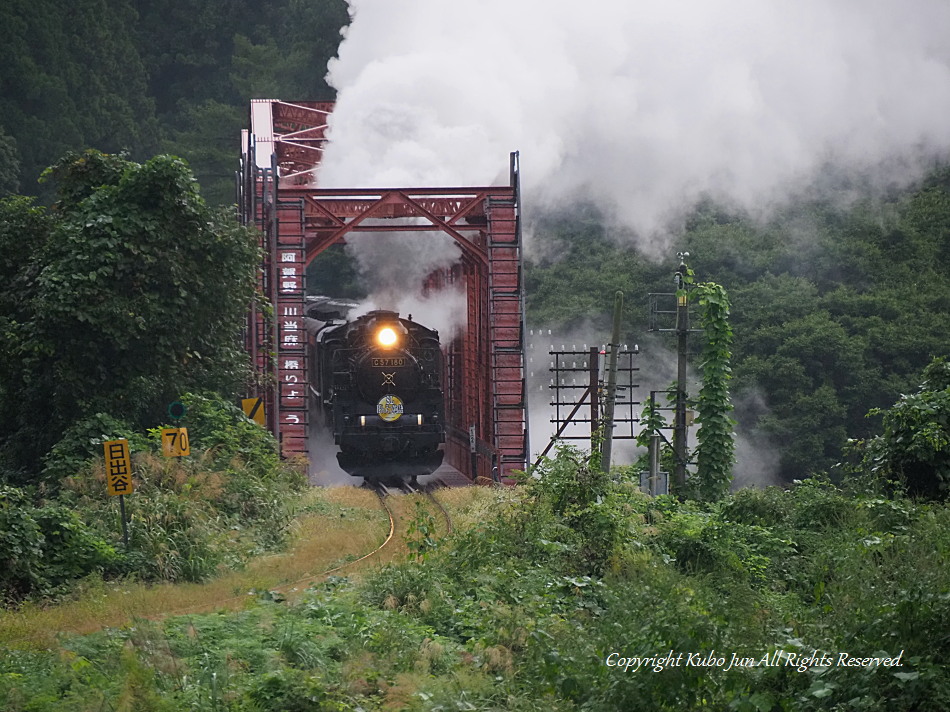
119 476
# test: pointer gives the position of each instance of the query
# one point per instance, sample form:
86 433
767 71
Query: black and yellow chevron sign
254 409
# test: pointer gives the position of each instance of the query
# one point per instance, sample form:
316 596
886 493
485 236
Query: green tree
141 76
296 36
579 265
24 229
809 367
71 76
187 47
9 165
140 294
915 445
209 138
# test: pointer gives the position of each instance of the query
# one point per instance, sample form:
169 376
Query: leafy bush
763 507
816 504
21 545
583 503
700 543
915 445
45 547
71 550
83 441
187 516
221 429
289 690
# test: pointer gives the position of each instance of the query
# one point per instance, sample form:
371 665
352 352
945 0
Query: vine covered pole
611 396
715 453
682 337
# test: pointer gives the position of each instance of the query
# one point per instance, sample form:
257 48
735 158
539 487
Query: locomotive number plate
383 362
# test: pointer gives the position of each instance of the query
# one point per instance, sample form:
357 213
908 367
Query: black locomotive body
377 381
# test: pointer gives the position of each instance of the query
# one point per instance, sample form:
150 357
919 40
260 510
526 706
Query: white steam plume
324 469
643 106
393 268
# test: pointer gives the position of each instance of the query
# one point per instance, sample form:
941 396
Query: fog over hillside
644 107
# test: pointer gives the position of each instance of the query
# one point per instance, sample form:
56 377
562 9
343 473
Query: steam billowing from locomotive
642 107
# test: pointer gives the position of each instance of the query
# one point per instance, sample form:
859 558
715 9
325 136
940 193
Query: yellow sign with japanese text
118 467
175 442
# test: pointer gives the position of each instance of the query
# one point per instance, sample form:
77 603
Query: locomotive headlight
387 337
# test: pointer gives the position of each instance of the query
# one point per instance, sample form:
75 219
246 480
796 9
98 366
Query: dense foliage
149 76
532 608
128 293
833 304
187 518
914 449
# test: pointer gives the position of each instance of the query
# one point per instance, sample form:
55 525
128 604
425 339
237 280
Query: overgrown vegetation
150 77
715 451
127 294
914 449
523 610
188 518
714 454
832 303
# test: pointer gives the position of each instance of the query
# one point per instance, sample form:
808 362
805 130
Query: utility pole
593 384
611 396
682 335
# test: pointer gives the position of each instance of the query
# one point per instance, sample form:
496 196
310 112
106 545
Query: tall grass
510 611
332 526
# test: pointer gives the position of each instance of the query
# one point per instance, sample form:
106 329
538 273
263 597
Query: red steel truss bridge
484 381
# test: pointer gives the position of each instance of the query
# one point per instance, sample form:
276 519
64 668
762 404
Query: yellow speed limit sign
175 442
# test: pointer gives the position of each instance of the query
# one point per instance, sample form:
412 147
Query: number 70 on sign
175 442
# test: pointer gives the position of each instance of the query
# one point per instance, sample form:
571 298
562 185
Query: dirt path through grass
336 525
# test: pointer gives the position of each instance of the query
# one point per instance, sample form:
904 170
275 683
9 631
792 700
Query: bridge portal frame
486 417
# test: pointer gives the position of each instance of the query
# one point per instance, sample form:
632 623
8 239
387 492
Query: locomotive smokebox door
379 374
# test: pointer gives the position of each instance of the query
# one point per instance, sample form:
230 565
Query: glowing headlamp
386 337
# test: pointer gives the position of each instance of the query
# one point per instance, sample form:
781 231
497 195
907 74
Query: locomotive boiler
378 383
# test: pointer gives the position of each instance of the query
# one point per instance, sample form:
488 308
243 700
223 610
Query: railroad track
427 491
386 495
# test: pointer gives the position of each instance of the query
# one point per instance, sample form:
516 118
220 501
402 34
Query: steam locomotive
377 380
